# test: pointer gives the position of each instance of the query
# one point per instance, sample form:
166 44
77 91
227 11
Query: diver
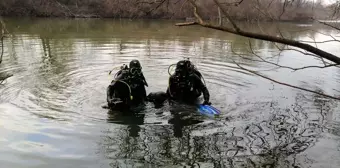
128 87
186 84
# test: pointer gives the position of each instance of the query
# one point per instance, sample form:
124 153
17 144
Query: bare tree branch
319 42
219 16
285 84
325 35
334 27
155 8
2 36
226 14
232 3
270 4
200 20
3 31
265 11
147 2
2 48
278 65
180 9
285 3
281 40
186 24
288 43
292 49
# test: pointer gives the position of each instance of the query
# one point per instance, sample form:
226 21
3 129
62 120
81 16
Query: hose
169 68
131 97
170 89
112 70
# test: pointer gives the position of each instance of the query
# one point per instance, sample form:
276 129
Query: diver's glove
206 102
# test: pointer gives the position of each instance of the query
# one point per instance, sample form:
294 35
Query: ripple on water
51 108
33 147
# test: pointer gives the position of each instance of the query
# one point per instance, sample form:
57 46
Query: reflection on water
282 140
51 115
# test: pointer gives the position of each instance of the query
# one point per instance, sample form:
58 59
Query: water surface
51 115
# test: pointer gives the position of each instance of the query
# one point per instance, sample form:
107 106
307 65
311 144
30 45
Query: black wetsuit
119 93
187 88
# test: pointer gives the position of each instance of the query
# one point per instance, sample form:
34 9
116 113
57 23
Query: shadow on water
181 115
132 118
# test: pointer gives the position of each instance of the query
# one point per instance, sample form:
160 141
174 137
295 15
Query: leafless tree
304 47
239 9
2 36
3 32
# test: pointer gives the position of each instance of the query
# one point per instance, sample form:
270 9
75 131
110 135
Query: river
51 114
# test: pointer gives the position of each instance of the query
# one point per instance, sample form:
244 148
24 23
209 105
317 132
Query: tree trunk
219 16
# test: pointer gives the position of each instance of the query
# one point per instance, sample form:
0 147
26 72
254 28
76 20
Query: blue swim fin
206 109
203 109
213 109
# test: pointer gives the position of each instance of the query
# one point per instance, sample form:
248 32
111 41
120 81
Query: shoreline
162 19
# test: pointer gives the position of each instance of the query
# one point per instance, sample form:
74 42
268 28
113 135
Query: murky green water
51 115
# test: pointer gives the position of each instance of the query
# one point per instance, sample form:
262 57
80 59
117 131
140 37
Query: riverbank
166 9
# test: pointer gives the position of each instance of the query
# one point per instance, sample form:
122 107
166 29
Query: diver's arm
144 80
144 93
204 90
171 91
109 92
206 95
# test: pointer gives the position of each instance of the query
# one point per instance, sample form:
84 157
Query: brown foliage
176 9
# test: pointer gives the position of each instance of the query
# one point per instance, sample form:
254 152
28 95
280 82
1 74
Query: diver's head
135 64
182 68
135 67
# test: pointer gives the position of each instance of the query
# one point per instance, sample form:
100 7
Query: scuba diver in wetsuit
186 85
128 87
